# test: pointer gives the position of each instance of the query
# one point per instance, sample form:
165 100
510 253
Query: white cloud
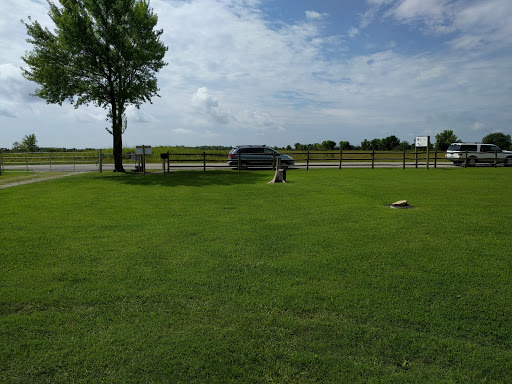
260 122
134 114
369 16
353 32
183 131
210 109
88 115
15 92
313 15
480 24
433 10
478 127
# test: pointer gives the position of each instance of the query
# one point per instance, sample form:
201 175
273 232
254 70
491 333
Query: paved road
129 166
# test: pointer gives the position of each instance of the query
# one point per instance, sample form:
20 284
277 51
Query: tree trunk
117 134
118 150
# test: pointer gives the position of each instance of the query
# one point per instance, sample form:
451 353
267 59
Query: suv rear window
454 147
252 150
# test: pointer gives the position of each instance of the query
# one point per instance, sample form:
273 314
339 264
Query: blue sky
278 72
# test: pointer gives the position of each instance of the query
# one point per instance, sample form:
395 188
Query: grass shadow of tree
191 178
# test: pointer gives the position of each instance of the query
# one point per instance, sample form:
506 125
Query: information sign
421 141
140 148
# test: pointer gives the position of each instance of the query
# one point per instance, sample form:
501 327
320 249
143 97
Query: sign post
421 142
143 150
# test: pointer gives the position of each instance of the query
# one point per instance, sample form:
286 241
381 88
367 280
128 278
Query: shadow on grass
190 178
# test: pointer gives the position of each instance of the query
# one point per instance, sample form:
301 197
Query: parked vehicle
256 156
475 153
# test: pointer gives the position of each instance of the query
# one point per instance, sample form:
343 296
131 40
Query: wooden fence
90 161
315 159
48 161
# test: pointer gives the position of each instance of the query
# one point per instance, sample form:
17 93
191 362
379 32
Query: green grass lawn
218 277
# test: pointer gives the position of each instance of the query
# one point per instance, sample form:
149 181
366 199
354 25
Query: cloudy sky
278 72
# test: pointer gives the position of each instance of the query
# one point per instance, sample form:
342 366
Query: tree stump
279 177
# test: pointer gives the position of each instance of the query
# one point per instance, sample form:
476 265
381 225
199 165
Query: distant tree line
29 144
392 143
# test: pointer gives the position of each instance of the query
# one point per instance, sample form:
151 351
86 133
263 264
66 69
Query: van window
468 147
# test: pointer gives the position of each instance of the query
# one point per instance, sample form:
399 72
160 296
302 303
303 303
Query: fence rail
97 160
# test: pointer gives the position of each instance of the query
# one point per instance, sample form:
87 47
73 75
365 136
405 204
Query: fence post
495 159
239 161
144 160
168 162
373 159
435 159
307 162
428 153
100 160
416 157
341 157
204 161
466 160
51 163
403 163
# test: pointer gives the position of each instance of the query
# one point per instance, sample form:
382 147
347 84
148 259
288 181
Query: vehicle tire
472 162
508 162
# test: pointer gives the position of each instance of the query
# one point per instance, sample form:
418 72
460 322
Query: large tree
498 138
390 143
328 145
28 144
444 139
102 52
345 146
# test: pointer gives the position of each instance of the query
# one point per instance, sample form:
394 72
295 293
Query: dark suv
256 156
475 153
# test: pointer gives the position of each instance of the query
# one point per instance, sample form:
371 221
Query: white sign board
421 141
147 150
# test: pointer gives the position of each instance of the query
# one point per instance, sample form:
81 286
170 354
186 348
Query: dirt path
30 181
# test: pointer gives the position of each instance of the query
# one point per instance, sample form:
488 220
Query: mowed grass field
219 277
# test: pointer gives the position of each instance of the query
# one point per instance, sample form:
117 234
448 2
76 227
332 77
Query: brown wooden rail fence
309 159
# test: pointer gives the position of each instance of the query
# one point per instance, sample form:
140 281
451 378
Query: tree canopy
500 139
28 144
102 52
444 139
